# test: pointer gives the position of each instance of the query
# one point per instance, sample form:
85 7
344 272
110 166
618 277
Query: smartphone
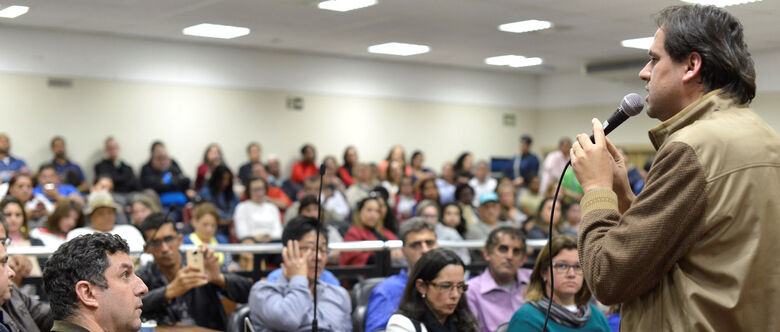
49 186
195 258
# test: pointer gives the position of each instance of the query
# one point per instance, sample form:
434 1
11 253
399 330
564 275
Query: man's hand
294 262
211 264
620 184
592 162
51 192
187 278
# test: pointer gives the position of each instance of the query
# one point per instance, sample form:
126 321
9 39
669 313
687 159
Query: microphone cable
549 245
317 246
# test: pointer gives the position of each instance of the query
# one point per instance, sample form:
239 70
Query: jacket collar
699 109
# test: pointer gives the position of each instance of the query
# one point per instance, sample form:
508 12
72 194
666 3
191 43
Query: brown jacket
699 248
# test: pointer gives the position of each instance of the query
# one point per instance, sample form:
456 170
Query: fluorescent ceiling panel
13 11
402 49
215 31
525 26
640 43
513 61
345 5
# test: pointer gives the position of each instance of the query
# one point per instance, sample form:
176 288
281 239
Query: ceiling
460 33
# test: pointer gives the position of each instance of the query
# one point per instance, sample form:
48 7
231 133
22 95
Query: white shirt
482 187
400 323
49 240
127 232
252 219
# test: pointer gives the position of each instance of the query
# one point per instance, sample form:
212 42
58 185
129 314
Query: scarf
563 316
433 325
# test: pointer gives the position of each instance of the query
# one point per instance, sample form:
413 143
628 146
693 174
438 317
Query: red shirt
360 258
302 170
345 176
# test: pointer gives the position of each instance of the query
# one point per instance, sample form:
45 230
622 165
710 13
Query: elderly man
482 182
489 211
92 285
19 312
697 249
286 303
102 211
180 292
497 293
418 237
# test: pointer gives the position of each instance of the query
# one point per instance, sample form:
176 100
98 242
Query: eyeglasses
430 216
417 245
449 286
157 243
323 250
564 268
5 241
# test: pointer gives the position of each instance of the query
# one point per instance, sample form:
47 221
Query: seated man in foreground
286 304
180 292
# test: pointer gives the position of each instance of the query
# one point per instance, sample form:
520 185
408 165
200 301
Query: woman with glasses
571 308
434 299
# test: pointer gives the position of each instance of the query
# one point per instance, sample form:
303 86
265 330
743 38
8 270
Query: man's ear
693 67
85 291
484 253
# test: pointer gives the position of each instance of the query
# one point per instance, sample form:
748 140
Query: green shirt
65 326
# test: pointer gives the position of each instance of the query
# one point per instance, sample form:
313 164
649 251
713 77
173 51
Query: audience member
452 227
120 172
204 223
539 227
180 292
489 211
367 227
446 184
393 174
346 169
104 183
66 216
362 186
333 190
49 186
429 211
571 308
571 190
427 189
274 172
525 164
530 198
163 175
572 215
18 231
386 214
102 210
142 205
285 304
256 218
92 286
554 164
68 171
37 206
482 182
18 311
464 197
212 158
419 171
308 208
497 293
255 153
418 238
9 166
220 193
275 194
305 167
396 154
311 187
433 298
509 212
405 201
463 165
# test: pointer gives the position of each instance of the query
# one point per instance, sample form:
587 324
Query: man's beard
60 155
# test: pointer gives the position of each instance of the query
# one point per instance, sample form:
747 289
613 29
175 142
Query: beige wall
187 118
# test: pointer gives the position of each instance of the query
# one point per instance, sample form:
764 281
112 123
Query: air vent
60 82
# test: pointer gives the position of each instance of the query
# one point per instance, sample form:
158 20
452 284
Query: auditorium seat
236 320
360 293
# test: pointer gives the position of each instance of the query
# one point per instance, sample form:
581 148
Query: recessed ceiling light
345 5
513 61
525 26
402 49
14 11
215 31
721 3
640 43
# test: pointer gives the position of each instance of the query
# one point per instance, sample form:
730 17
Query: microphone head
632 104
322 169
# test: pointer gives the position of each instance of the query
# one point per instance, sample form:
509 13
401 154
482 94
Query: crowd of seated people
159 208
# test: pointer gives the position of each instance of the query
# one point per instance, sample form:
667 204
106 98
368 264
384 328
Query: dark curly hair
412 304
83 258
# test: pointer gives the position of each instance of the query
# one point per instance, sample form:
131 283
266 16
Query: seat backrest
502 327
360 293
236 320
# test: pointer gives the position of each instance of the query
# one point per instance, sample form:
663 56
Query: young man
418 237
245 173
9 166
67 170
180 292
120 172
697 249
286 304
497 293
92 286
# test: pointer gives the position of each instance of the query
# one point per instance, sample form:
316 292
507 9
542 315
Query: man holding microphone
698 248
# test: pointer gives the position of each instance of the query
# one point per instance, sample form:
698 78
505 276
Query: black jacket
123 176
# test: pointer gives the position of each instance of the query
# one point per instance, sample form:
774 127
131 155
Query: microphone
314 327
632 104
